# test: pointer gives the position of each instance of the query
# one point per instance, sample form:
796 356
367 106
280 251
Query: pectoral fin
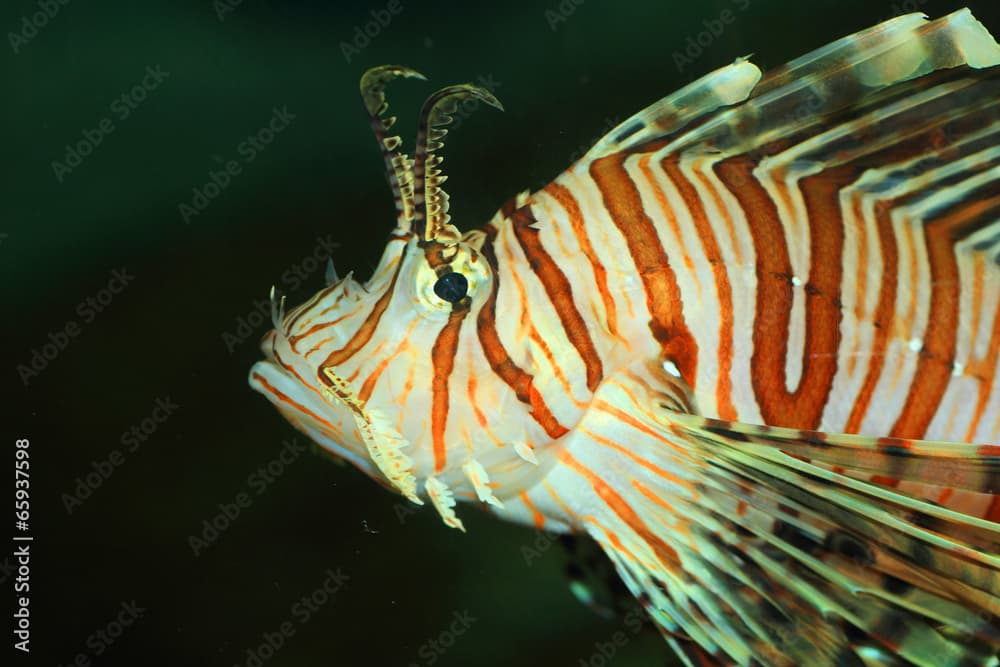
755 544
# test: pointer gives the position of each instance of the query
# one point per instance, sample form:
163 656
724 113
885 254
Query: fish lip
270 379
264 370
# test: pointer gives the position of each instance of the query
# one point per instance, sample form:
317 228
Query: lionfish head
359 368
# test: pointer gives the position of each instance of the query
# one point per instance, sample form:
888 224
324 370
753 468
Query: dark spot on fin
854 634
816 442
922 554
794 536
727 434
847 545
924 521
895 450
891 628
895 585
629 131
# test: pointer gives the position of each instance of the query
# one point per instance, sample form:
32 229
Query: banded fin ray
859 71
757 555
955 465
724 87
848 538
735 101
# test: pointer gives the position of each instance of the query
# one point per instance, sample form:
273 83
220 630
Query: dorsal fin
732 109
723 87
801 97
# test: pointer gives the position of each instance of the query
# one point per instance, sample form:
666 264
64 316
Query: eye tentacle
398 167
430 214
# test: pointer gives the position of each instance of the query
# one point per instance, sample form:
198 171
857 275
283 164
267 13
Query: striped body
775 321
742 340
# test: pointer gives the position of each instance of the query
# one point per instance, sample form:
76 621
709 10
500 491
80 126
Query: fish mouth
326 422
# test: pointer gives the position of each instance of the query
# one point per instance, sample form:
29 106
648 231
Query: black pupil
451 287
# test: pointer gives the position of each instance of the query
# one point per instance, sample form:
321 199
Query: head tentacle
398 167
430 214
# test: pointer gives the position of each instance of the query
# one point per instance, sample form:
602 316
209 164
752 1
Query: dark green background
162 336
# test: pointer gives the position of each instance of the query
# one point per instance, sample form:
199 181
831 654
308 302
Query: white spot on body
797 281
525 452
916 344
671 368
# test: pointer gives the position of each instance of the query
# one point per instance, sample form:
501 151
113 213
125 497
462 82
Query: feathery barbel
748 344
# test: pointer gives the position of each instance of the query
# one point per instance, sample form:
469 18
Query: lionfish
748 344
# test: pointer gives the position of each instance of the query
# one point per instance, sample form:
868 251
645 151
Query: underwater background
177 518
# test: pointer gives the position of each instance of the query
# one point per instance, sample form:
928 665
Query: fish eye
451 287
